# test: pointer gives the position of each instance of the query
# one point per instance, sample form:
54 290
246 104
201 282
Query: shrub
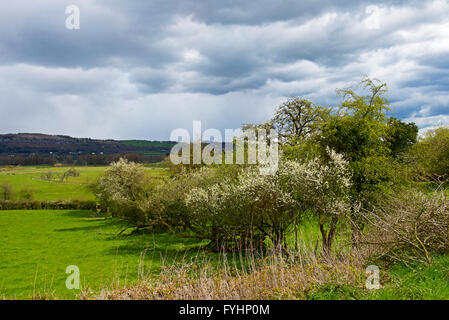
123 188
231 205
166 206
26 194
252 207
324 186
412 225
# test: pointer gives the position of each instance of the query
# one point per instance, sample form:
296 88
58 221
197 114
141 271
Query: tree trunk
328 236
355 235
296 235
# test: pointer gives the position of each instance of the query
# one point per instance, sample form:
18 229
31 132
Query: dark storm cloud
141 68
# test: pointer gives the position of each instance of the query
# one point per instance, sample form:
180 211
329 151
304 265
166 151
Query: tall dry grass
255 278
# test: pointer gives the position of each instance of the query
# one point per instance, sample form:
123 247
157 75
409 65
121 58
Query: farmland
75 188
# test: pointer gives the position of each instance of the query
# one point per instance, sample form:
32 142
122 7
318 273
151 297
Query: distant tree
48 176
296 118
70 173
7 191
264 126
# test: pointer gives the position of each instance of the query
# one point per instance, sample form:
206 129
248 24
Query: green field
37 246
75 188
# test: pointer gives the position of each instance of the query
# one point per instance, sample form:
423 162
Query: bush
252 207
412 225
166 206
124 188
20 205
26 194
231 205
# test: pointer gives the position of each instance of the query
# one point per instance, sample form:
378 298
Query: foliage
296 119
166 205
400 136
362 133
357 130
372 144
122 189
430 156
50 175
47 176
255 206
325 189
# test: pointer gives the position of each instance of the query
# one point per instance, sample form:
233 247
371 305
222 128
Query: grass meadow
38 245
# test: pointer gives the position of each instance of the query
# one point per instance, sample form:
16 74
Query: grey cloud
139 68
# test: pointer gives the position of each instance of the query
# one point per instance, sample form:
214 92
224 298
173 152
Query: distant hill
61 148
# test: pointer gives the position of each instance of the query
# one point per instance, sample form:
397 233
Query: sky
139 69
